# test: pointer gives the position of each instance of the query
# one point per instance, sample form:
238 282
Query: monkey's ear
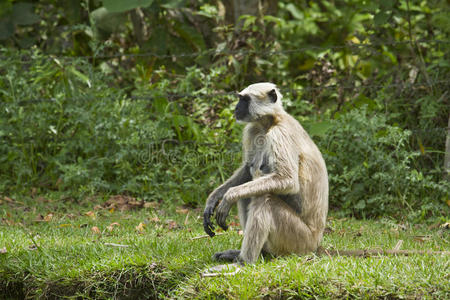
272 96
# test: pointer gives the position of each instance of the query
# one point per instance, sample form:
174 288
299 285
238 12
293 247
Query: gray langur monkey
281 188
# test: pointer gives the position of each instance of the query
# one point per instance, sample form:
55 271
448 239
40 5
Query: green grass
71 260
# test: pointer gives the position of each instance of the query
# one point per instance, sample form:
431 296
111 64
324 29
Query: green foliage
371 168
148 111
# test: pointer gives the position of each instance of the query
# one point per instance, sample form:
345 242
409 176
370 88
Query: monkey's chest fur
260 163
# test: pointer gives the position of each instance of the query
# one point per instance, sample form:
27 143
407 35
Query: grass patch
55 252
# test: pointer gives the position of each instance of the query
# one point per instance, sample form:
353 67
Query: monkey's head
258 100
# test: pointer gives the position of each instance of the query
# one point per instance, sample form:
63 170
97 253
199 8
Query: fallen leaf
123 202
111 226
152 204
48 217
95 230
140 228
70 216
181 210
422 238
7 199
171 224
3 250
98 207
155 220
90 214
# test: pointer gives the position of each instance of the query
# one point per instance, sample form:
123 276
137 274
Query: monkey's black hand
222 213
207 224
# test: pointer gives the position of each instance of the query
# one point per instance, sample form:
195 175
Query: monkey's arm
284 180
240 176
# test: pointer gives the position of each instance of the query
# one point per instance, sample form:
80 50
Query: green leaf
80 76
296 13
190 35
122 5
23 14
380 18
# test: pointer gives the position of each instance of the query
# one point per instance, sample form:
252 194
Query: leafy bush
371 168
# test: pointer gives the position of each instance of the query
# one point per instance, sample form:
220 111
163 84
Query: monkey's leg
231 255
290 233
257 228
228 255
243 211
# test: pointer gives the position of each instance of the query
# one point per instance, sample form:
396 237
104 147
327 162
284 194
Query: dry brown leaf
234 224
152 204
422 238
90 214
123 202
181 210
3 250
98 207
95 230
140 228
155 220
7 199
171 224
48 217
70 216
111 226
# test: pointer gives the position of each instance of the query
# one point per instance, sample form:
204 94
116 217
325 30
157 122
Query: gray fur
282 186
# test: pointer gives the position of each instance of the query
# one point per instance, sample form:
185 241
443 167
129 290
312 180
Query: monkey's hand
222 213
207 224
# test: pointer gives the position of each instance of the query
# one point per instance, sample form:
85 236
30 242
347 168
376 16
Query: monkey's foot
229 255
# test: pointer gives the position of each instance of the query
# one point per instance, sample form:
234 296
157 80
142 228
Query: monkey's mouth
240 115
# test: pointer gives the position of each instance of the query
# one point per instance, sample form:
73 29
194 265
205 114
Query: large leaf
124 5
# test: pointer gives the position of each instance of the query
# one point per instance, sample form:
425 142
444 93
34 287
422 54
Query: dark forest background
99 98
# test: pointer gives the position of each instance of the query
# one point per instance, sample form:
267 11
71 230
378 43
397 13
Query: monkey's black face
242 111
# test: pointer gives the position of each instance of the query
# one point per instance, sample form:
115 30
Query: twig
375 252
205 236
398 245
216 270
117 245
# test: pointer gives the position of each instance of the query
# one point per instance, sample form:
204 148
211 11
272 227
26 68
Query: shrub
371 168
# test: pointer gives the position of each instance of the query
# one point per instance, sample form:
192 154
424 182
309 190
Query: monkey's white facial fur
258 100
